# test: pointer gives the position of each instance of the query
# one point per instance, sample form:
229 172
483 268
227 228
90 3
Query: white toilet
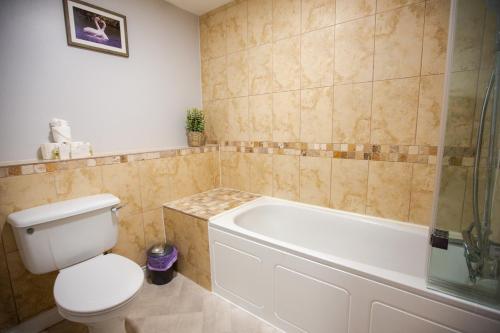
71 236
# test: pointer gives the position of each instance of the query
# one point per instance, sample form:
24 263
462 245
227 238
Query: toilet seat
97 285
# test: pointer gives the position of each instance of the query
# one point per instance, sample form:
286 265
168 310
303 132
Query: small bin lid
160 250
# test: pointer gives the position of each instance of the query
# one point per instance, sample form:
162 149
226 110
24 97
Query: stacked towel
80 149
63 148
50 151
61 132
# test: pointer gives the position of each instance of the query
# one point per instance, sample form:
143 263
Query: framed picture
95 28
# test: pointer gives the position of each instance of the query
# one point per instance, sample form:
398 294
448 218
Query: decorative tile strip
54 165
366 151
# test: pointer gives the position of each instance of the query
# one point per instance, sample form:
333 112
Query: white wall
116 103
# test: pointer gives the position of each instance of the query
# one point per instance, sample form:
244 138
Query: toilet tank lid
59 210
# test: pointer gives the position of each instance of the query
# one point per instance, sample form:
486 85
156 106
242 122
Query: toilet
71 236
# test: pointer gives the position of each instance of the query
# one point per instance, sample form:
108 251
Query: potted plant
195 125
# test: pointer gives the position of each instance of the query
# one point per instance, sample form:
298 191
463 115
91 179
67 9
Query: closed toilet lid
98 284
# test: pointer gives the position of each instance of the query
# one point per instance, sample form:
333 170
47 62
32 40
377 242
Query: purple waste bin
161 259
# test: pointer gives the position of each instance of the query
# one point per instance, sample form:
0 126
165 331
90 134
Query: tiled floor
182 307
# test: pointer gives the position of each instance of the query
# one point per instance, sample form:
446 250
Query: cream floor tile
182 306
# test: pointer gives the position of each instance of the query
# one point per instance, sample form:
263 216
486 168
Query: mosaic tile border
422 154
454 156
391 153
40 167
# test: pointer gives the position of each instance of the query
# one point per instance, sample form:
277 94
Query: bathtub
304 268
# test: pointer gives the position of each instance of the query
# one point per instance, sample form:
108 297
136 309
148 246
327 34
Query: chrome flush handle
117 208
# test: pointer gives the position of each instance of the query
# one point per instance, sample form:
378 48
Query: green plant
195 120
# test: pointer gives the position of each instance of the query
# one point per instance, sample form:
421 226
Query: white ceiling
198 7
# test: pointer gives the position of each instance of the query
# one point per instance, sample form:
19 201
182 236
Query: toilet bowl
98 292
70 237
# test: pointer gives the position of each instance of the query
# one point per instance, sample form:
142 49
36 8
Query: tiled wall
142 181
335 102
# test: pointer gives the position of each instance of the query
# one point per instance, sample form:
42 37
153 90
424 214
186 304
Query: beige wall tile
206 84
352 112
122 180
422 188
451 197
155 183
260 69
235 170
21 192
213 30
261 173
286 64
204 170
204 33
384 5
8 314
347 10
317 49
154 230
315 182
437 13
192 174
190 236
286 116
131 242
216 115
468 35
398 42
8 239
237 74
354 48
317 14
389 186
461 101
217 80
76 183
349 185
260 22
429 109
260 110
210 124
237 119
394 111
179 170
286 177
236 27
316 115
286 18
32 293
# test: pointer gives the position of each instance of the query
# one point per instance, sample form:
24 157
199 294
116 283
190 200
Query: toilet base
109 322
114 325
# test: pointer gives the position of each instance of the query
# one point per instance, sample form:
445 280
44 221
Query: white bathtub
304 268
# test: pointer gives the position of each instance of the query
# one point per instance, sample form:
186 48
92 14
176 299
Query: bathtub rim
405 282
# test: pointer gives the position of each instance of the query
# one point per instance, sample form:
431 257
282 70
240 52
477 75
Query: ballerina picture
95 28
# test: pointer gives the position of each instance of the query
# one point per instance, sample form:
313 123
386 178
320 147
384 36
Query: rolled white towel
80 149
58 122
50 151
61 134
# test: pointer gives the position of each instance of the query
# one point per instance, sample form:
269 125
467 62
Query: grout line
420 76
